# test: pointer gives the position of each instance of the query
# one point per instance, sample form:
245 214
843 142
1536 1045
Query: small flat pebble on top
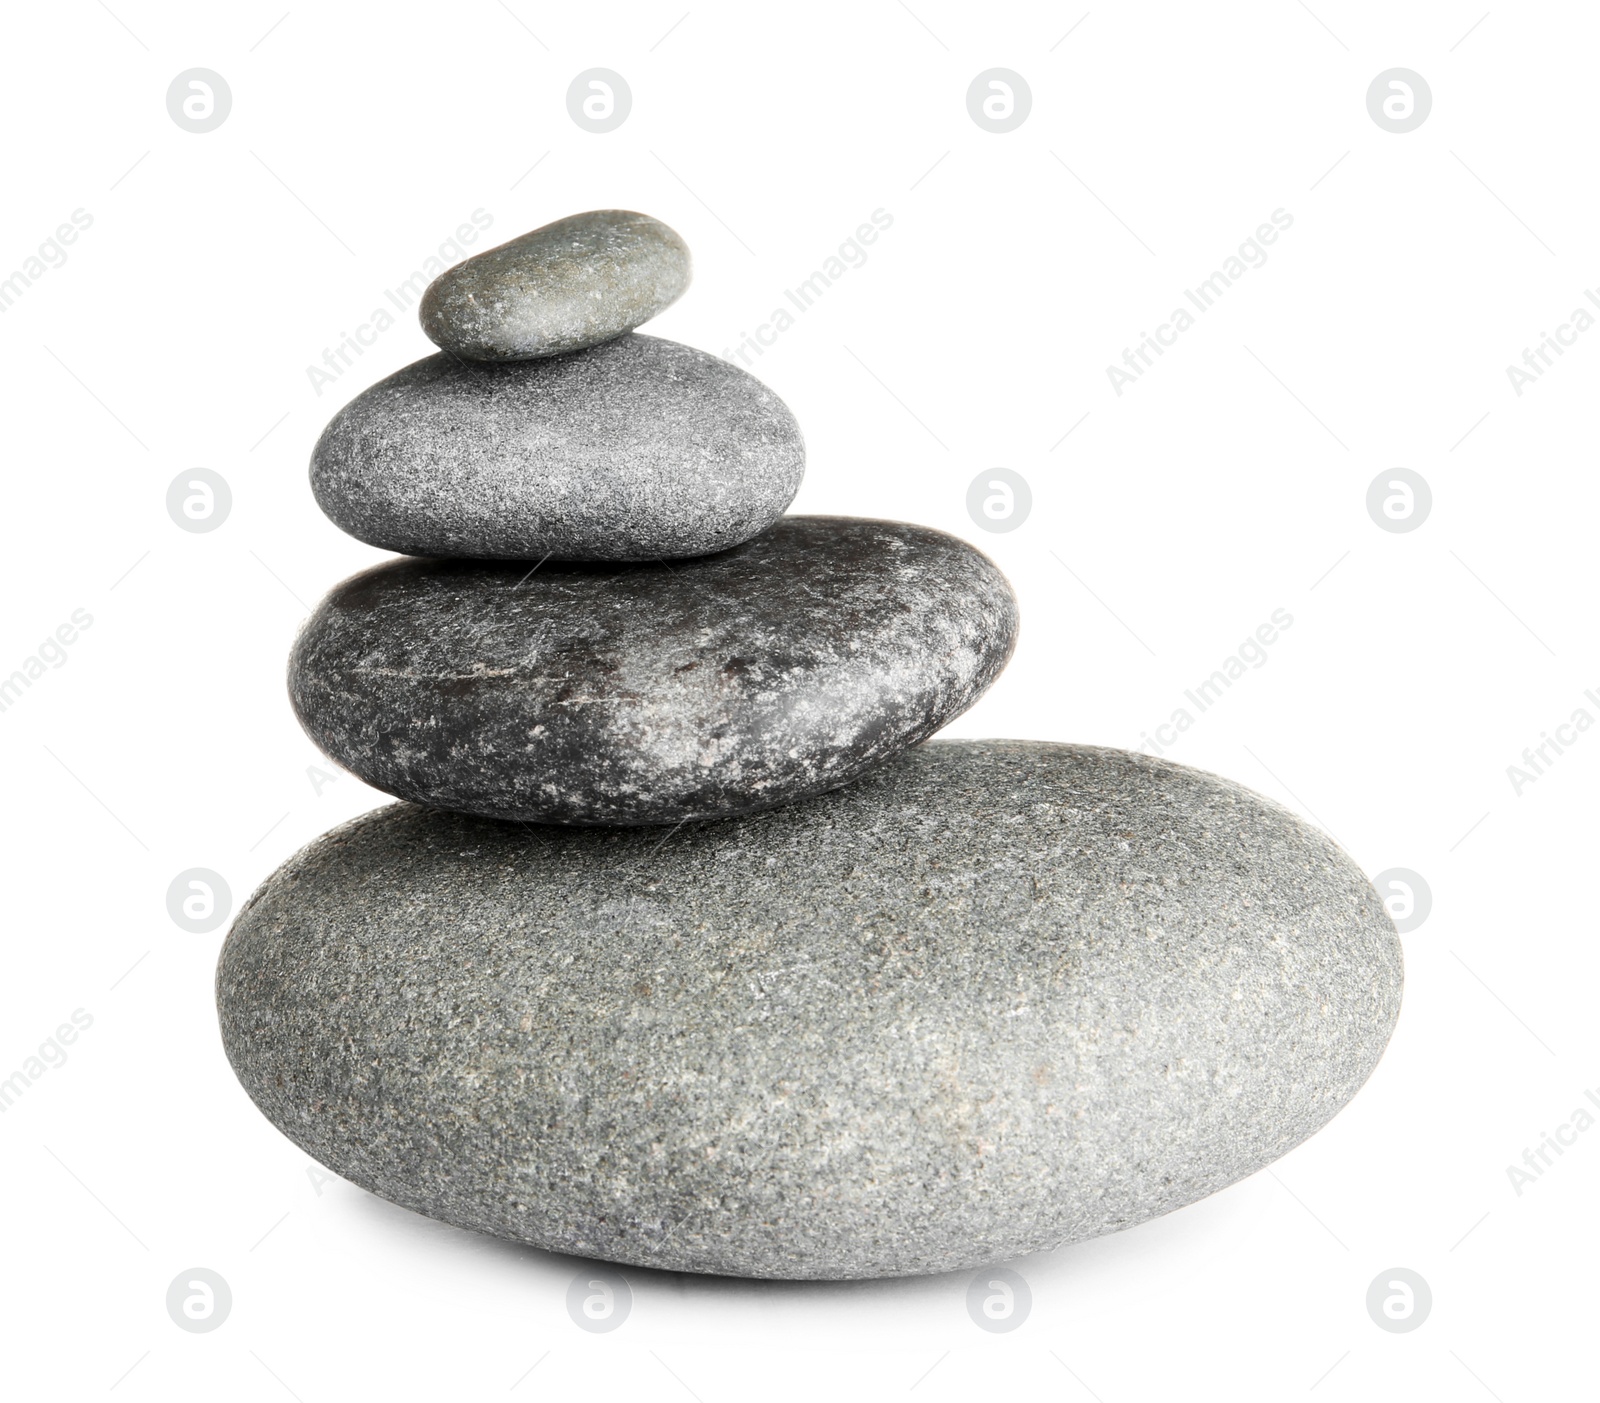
569 285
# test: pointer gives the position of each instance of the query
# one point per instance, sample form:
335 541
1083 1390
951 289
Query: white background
1230 481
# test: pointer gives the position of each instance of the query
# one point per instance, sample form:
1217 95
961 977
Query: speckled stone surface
571 284
997 996
636 450
652 694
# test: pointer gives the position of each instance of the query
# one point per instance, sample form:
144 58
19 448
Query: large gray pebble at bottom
997 996
652 693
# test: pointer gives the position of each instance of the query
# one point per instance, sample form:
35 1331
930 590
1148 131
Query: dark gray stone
995 997
569 285
652 694
636 450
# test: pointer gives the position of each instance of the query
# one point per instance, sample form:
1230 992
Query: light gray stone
994 997
652 693
639 449
567 286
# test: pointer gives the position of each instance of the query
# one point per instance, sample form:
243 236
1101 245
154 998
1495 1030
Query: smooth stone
652 694
569 285
996 997
639 449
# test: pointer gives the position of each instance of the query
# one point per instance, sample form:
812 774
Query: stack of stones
682 949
